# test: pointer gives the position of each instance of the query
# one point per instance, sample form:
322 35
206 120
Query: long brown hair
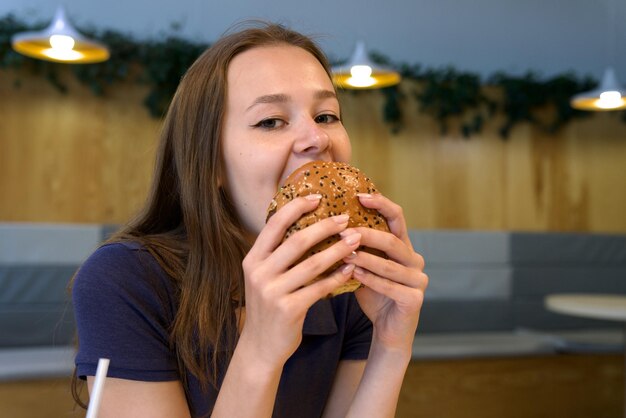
188 222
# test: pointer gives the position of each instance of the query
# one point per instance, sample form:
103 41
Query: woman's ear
220 176
221 179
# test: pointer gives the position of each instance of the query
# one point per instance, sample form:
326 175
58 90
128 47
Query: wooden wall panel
72 157
81 158
573 386
572 181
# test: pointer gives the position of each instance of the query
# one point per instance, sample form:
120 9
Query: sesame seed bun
338 183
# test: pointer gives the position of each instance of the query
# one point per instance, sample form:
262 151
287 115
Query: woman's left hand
394 288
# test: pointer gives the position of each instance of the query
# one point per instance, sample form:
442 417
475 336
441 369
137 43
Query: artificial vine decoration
445 94
448 93
157 64
526 98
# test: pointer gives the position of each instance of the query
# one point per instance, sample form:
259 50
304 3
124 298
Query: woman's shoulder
117 250
116 257
124 305
126 265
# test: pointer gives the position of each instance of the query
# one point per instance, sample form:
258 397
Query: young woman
196 302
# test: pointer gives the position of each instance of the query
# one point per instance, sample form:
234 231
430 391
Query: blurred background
512 195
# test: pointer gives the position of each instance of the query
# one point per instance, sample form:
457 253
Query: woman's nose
312 139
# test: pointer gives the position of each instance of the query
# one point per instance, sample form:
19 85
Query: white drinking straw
98 385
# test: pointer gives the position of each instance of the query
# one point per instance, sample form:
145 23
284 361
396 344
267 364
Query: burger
338 184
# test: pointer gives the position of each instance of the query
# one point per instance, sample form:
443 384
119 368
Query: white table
607 307
596 306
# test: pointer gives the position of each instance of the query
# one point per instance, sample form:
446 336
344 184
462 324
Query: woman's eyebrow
325 94
269 98
284 98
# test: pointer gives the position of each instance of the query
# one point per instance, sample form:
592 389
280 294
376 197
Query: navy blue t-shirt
125 303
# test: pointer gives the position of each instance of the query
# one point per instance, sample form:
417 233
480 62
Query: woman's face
281 112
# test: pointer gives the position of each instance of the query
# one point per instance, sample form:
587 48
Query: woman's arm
367 388
118 298
277 300
134 399
250 386
392 299
349 373
378 392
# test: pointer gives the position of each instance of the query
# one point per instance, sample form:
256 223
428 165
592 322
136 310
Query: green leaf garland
445 94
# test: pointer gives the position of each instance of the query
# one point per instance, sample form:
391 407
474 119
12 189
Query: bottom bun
349 286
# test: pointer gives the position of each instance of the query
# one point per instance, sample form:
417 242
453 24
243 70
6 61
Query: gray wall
549 36
497 281
479 281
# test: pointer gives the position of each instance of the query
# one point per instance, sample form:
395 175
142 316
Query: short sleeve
358 335
124 309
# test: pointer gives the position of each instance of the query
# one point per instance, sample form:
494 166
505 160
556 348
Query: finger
392 246
272 234
314 266
392 212
322 288
302 241
389 269
399 293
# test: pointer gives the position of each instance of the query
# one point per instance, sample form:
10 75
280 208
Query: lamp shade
609 96
60 42
361 73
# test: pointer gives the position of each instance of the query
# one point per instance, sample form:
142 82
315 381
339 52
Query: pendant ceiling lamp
60 42
361 73
609 96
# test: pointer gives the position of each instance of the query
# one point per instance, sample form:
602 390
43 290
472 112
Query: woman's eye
326 118
270 123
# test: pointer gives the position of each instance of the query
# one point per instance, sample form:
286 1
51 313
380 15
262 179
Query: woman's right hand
277 299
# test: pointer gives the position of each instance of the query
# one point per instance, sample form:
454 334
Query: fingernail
347 269
346 233
352 239
351 256
315 196
364 195
341 219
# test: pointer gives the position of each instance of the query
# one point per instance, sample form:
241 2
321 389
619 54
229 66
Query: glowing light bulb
62 42
62 48
361 76
361 71
609 100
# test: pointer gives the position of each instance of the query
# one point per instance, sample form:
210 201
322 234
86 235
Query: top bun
338 184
